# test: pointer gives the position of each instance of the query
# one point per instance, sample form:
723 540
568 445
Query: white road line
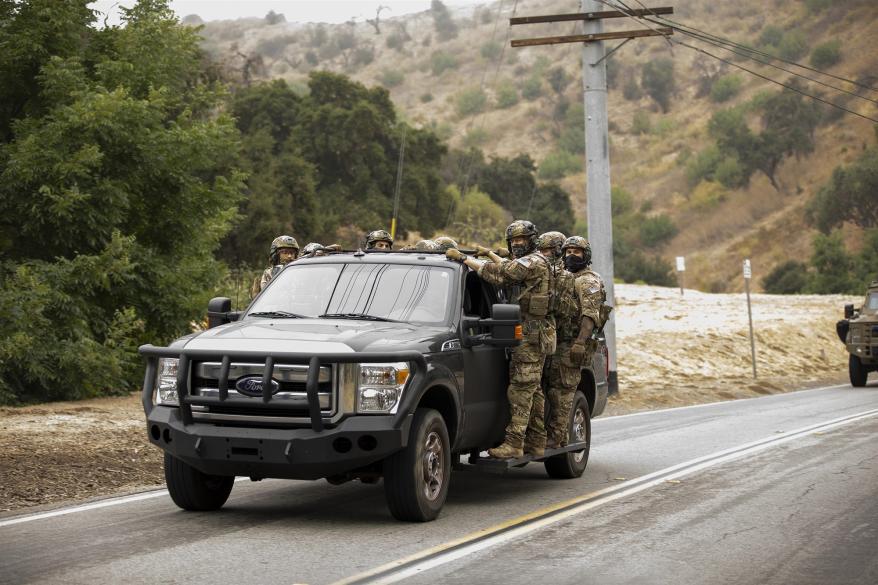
424 561
92 506
718 402
159 493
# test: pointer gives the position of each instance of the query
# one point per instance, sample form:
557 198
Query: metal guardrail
186 356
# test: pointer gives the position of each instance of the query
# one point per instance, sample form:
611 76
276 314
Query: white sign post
748 273
681 268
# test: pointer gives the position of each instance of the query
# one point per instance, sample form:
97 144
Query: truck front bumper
301 453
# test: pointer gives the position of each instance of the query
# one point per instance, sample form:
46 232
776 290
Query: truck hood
316 336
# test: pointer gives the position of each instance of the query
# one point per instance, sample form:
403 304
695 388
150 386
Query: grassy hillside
525 105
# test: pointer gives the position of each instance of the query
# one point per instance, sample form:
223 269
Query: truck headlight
380 387
166 382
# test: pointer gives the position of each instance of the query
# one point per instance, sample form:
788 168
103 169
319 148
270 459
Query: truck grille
288 403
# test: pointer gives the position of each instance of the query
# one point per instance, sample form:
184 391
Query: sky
333 11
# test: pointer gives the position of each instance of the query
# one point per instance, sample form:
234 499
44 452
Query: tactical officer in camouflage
283 250
530 276
379 240
575 326
428 246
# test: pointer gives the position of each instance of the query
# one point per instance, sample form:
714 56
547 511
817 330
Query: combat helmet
278 244
312 249
378 236
428 246
578 242
553 240
518 228
445 243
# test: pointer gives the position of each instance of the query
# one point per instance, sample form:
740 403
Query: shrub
788 278
815 6
703 165
826 54
558 164
475 137
391 77
426 98
631 89
507 94
793 46
664 126
470 101
532 88
641 123
622 201
656 230
730 173
725 88
491 50
707 194
658 82
771 36
440 61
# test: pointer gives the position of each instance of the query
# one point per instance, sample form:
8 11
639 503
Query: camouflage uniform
277 245
533 276
563 373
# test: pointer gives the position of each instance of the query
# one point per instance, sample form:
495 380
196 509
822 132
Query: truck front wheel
416 478
570 465
192 490
858 372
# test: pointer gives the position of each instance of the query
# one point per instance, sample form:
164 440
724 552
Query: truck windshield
417 294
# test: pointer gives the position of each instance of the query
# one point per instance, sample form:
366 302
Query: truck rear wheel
858 372
416 478
571 464
192 490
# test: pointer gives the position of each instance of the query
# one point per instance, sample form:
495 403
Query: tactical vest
536 300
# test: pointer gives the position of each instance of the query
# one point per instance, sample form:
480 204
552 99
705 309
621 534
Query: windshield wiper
362 316
277 315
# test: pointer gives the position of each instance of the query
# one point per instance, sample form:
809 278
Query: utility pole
597 147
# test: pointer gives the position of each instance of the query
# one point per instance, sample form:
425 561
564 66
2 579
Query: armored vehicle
358 365
859 332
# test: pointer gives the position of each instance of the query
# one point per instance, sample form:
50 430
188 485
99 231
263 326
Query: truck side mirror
848 311
219 312
504 324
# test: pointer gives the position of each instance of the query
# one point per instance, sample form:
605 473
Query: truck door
486 375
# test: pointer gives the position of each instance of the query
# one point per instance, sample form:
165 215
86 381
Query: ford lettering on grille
252 386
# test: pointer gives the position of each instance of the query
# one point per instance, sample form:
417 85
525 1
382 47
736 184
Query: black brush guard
186 356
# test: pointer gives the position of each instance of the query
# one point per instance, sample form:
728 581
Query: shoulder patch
592 290
526 261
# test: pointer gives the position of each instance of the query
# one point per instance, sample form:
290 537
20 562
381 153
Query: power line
765 77
677 26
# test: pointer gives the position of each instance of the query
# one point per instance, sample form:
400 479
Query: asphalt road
781 489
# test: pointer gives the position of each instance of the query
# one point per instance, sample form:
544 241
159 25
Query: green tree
656 230
850 195
532 88
832 266
793 46
789 278
477 218
658 81
443 22
725 88
117 177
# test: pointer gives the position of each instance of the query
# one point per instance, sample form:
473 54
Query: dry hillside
718 226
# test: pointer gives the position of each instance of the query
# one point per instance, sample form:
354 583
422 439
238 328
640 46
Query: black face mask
574 263
519 251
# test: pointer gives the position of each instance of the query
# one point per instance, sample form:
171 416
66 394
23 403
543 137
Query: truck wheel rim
433 462
579 433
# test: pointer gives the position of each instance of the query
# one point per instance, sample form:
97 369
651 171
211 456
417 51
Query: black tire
858 372
192 490
416 478
572 464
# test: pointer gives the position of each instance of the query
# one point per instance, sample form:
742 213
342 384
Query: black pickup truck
357 365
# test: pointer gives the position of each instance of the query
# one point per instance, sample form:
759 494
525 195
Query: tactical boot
506 451
535 449
555 442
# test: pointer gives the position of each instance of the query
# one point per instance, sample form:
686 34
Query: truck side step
491 465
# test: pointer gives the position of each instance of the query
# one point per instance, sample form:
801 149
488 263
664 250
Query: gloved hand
481 250
502 252
577 352
455 254
333 248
